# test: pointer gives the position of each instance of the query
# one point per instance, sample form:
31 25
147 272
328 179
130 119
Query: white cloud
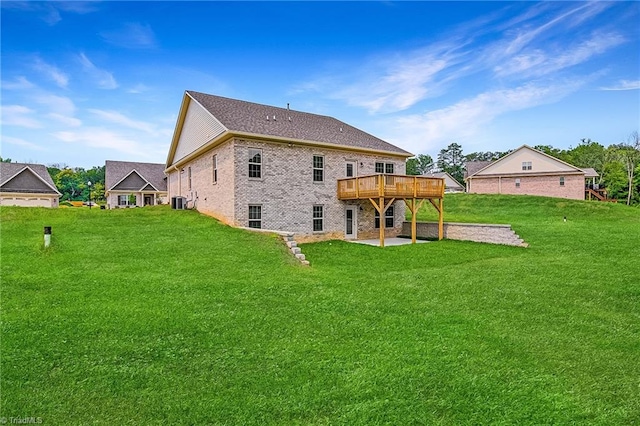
121 119
49 12
97 137
58 104
537 42
139 88
18 115
65 119
624 85
538 62
131 35
22 142
52 72
420 132
20 83
104 78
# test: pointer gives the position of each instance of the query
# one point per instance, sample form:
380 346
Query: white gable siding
199 128
539 164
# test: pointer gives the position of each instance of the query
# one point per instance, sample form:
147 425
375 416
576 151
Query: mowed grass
160 316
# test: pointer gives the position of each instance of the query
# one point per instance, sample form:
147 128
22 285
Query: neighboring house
27 185
260 166
450 183
531 172
131 184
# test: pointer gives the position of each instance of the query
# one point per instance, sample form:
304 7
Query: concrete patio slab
387 242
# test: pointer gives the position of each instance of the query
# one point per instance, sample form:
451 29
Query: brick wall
213 198
286 191
478 232
548 186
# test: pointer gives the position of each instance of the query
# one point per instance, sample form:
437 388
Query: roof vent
287 106
341 129
267 118
274 118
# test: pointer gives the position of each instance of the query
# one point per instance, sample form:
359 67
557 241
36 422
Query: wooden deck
390 186
382 190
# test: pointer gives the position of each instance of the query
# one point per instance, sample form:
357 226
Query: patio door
350 222
351 169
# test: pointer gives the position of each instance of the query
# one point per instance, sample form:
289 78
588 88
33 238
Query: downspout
175 168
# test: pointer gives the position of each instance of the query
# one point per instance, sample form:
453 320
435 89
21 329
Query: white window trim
260 164
314 218
317 168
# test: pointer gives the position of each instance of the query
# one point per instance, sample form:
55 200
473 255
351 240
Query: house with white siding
275 168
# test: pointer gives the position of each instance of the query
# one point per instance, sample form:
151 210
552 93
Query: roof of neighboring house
589 172
151 173
558 165
449 181
263 120
472 167
37 179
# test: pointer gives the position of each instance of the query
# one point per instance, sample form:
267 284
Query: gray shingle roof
249 117
472 167
115 171
9 170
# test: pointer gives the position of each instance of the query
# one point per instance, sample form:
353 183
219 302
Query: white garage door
25 202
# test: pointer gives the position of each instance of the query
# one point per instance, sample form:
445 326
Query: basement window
255 216
318 218
388 218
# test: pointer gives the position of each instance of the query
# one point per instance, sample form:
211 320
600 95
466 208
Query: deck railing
390 186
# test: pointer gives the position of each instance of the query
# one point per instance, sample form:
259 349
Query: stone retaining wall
478 232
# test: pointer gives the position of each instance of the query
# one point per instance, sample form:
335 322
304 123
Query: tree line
618 165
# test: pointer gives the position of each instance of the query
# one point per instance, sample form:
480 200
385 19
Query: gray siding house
27 185
133 184
260 166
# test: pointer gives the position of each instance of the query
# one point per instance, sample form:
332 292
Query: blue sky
85 82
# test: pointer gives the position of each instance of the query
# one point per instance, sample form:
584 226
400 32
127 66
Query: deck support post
382 221
441 219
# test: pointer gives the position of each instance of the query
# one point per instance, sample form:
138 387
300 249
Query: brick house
259 166
27 185
134 184
528 171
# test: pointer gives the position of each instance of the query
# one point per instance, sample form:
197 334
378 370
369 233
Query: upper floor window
561 180
215 168
255 163
384 168
526 165
318 168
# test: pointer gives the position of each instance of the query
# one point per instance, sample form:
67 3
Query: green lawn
156 316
